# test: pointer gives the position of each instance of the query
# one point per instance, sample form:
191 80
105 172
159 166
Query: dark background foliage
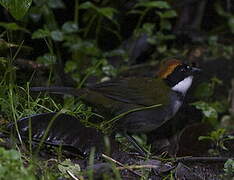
77 42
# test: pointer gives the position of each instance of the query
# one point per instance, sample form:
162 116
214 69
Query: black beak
196 70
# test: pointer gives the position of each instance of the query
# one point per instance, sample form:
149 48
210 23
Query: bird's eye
185 68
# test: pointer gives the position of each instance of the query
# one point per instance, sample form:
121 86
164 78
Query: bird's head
179 76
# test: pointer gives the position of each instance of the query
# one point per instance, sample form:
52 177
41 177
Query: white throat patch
183 85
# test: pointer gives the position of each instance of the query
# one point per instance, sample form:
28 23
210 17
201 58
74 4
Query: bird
141 104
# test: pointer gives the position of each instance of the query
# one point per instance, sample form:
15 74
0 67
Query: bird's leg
140 149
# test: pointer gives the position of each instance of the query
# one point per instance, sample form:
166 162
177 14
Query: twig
139 167
203 159
73 176
231 98
29 64
122 165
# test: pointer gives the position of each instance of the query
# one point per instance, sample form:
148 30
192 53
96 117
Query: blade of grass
12 103
47 131
89 73
126 113
91 162
122 165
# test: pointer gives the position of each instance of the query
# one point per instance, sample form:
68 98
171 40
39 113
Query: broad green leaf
162 48
204 90
220 10
13 27
12 166
165 24
148 28
57 35
167 14
70 66
17 8
66 166
47 59
3 60
154 4
207 110
56 4
217 134
14 155
87 5
229 166
109 70
41 33
70 27
107 12
35 14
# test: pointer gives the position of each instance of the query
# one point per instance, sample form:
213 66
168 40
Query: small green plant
17 8
68 168
209 106
219 50
12 167
229 168
218 138
227 15
157 32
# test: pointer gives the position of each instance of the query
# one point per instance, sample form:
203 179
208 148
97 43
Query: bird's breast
175 102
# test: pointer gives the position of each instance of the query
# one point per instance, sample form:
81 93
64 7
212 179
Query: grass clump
12 166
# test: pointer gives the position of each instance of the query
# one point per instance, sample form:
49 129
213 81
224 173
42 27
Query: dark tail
58 90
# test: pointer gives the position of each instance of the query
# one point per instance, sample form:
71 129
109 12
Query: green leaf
12 166
216 81
109 70
220 10
200 138
154 4
13 27
229 167
204 90
56 4
167 14
87 5
162 48
47 59
165 24
164 37
70 66
219 106
35 14
6 45
14 155
66 166
57 35
207 110
217 134
17 8
41 33
70 27
135 12
107 12
148 28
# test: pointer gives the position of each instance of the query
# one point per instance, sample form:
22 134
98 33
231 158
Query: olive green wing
138 91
